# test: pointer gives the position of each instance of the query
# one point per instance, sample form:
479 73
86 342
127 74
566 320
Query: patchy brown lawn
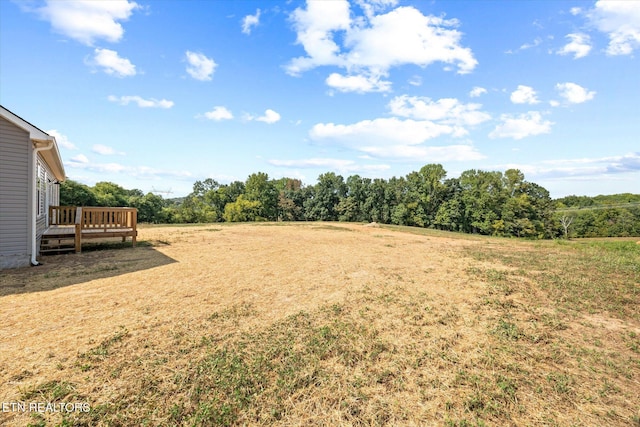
319 323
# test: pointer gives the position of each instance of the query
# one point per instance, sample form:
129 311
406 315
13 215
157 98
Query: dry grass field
325 324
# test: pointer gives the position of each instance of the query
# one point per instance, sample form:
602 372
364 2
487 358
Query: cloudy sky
156 95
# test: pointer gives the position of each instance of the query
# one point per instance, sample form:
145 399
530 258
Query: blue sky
156 95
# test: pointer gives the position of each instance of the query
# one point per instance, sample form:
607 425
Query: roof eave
53 159
38 136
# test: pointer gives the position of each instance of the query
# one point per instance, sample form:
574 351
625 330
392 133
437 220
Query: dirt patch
610 324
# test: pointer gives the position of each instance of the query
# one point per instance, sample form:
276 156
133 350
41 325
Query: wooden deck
69 226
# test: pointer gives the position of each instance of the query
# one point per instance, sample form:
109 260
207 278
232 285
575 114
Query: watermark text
45 407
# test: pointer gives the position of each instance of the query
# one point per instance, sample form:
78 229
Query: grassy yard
325 324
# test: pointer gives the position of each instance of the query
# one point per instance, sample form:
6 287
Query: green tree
150 208
288 210
353 208
290 199
110 194
543 209
298 197
450 215
513 180
430 184
516 218
287 184
194 210
380 200
207 201
482 196
217 198
73 193
325 198
243 210
348 209
200 188
258 188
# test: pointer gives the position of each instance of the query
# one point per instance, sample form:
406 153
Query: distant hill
601 201
615 215
174 200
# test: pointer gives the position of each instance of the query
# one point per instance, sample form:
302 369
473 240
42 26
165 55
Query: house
30 171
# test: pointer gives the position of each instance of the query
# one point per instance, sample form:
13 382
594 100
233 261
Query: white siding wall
15 155
48 196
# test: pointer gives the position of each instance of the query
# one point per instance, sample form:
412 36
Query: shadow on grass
97 261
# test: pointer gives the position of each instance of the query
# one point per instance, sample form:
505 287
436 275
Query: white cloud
595 169
448 111
269 117
140 172
536 42
406 36
524 95
343 166
575 11
477 91
79 159
88 20
620 20
415 81
432 154
381 131
372 44
358 83
574 93
112 64
146 172
141 102
579 46
250 21
370 7
219 113
62 140
314 27
105 150
417 120
628 163
521 126
200 67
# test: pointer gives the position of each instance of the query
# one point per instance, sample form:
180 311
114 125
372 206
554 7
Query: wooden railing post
78 234
134 223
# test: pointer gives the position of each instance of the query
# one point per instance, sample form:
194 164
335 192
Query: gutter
34 216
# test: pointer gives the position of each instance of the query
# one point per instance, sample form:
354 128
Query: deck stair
55 243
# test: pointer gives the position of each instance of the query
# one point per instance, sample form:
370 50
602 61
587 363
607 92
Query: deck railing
93 217
62 215
106 218
94 222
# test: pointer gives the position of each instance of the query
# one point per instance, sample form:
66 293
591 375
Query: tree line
616 215
482 202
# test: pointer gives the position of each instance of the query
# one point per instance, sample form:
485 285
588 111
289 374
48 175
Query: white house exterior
30 170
